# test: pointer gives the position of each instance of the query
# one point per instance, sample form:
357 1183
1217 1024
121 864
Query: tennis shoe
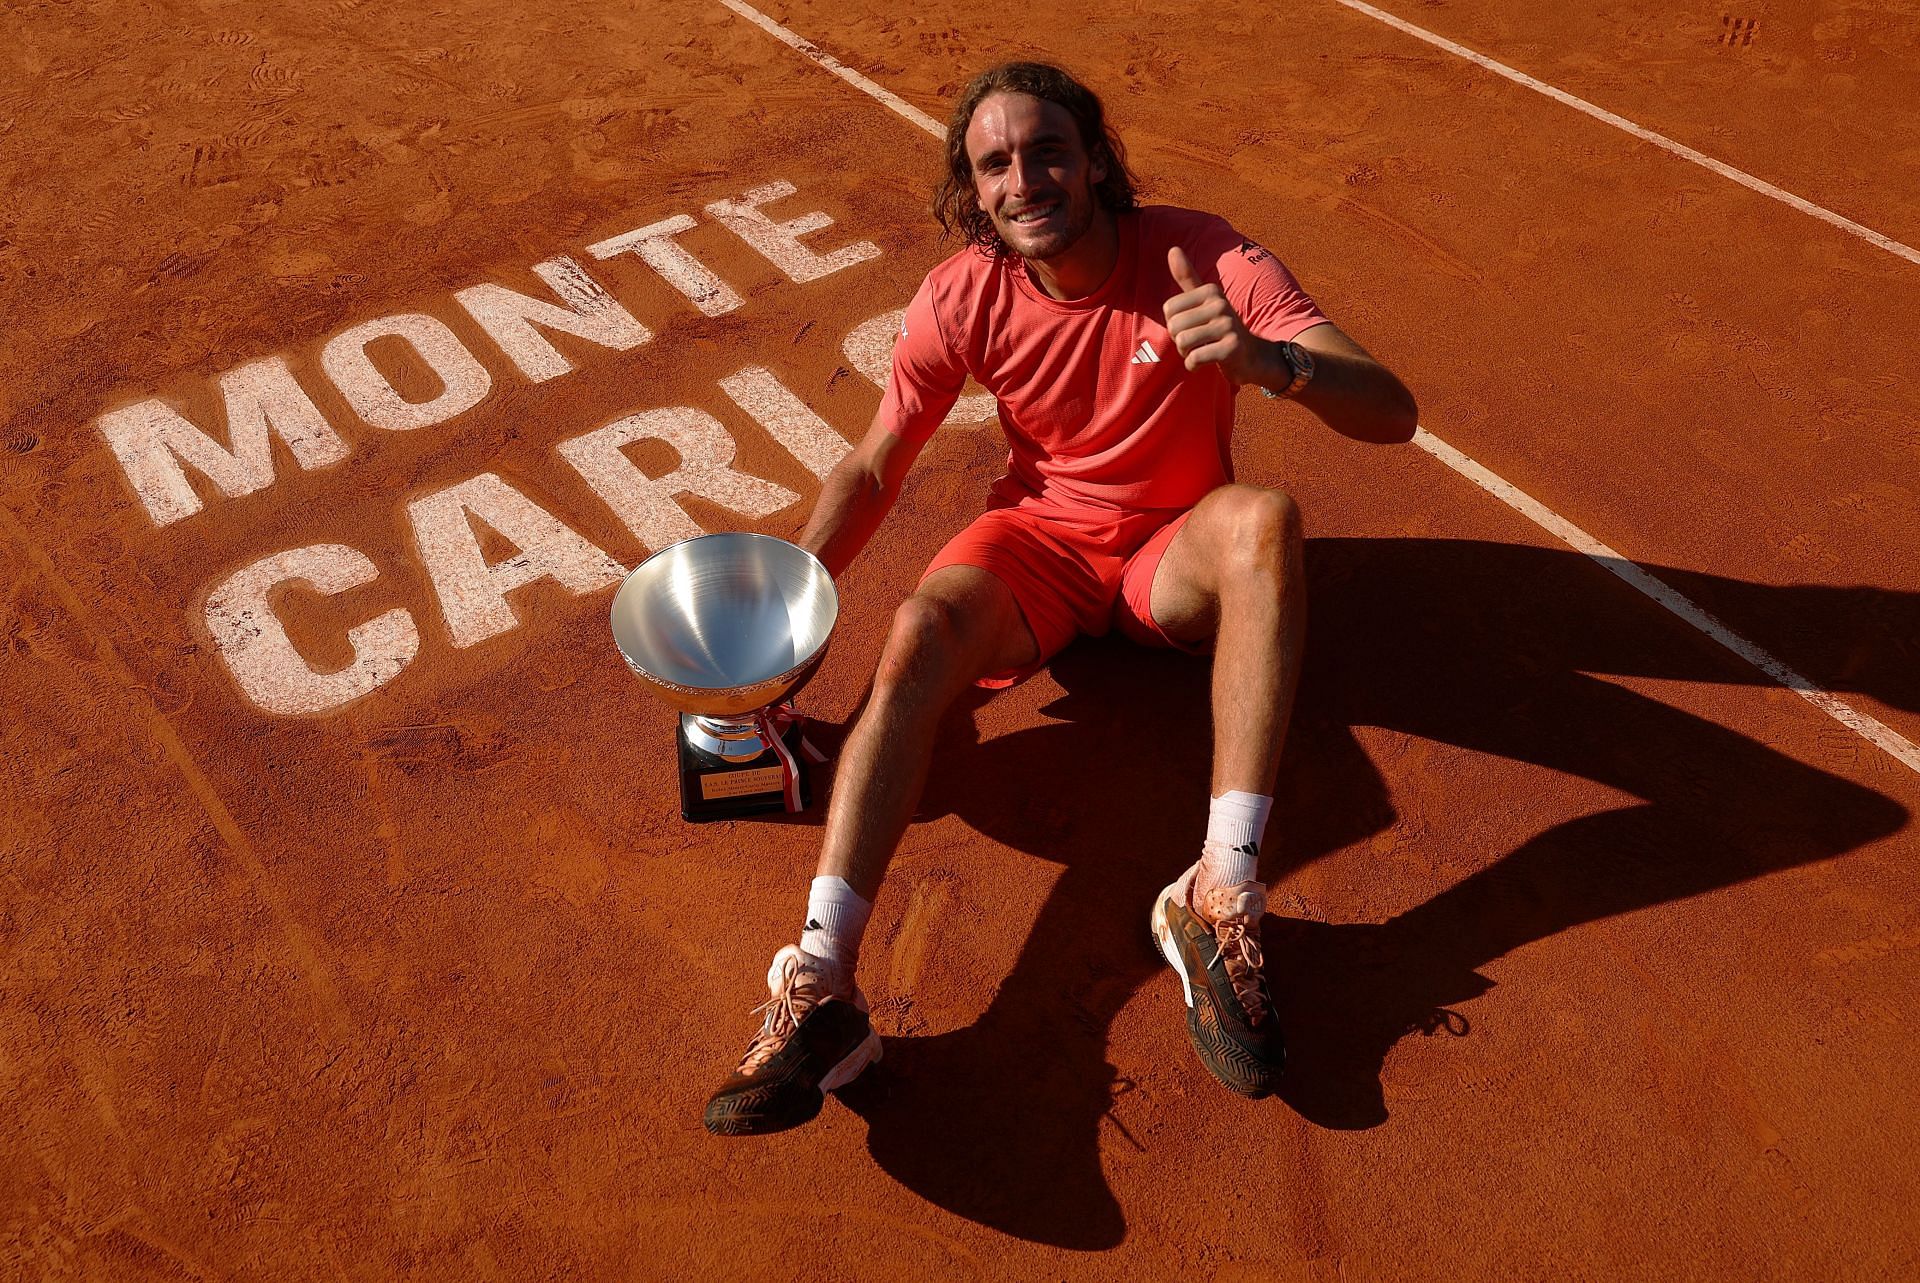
814 1038
1215 948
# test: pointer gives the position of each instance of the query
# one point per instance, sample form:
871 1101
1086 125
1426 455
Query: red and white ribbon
773 723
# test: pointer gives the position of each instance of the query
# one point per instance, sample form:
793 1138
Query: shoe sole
1163 940
867 1053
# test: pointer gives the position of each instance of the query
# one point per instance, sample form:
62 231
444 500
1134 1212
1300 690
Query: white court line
1685 152
838 68
1876 732
1574 537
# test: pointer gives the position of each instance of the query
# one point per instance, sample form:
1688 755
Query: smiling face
1031 174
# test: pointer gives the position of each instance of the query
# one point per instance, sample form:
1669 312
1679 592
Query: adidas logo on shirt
1145 355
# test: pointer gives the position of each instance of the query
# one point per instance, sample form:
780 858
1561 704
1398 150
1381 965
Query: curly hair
954 203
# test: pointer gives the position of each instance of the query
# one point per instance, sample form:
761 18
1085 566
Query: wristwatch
1300 362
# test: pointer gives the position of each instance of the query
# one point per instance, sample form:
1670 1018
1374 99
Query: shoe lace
800 990
1238 945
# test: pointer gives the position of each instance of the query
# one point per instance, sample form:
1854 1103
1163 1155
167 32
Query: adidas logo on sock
1144 354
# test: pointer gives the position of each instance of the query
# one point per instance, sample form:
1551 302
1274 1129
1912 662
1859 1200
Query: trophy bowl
724 627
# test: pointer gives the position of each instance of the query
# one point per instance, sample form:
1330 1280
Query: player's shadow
1483 646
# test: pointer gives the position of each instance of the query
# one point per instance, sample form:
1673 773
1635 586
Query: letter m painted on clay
155 444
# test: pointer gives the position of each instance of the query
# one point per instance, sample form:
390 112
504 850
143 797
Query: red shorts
1070 572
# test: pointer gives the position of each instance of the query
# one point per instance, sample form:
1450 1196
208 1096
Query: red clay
1601 949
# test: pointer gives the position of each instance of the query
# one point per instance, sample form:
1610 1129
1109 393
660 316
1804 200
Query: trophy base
714 787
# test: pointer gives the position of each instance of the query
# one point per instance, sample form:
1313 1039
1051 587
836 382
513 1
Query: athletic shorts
1070 571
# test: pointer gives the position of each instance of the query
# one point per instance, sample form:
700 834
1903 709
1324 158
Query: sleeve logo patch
1253 253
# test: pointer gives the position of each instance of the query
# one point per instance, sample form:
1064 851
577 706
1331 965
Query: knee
1264 533
922 637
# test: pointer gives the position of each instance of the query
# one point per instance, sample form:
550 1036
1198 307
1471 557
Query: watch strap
1299 362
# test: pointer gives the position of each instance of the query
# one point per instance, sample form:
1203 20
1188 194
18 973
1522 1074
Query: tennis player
1115 338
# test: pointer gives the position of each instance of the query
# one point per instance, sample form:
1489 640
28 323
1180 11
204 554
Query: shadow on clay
1479 645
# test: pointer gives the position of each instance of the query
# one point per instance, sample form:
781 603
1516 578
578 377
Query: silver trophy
725 628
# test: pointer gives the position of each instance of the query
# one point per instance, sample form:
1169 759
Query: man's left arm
1346 389
1349 391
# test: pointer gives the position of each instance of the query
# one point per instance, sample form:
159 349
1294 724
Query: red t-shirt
1099 409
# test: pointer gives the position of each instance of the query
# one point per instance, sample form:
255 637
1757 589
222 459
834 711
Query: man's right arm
857 496
925 379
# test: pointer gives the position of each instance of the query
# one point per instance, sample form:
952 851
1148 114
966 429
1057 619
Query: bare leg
1235 575
962 624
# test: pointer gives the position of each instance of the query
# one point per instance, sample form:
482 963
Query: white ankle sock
1236 824
836 919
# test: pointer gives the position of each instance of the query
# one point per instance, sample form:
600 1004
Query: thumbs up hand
1205 328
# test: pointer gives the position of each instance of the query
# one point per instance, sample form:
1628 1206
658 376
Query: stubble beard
1079 220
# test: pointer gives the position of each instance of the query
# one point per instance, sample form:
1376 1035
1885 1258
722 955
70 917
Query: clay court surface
385 954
